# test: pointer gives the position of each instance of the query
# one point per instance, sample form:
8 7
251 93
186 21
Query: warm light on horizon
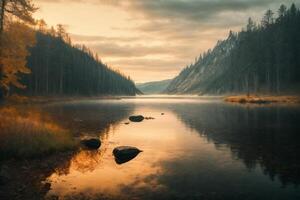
148 41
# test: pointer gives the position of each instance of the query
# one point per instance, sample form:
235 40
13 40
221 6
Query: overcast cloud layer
152 39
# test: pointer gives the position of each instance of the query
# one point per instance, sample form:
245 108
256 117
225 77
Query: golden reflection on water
199 149
164 138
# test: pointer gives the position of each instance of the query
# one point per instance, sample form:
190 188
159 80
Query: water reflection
267 136
89 117
199 149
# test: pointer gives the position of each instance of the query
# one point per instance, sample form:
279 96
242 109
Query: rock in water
93 143
137 118
124 154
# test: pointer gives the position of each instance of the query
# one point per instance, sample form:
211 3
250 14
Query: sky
151 40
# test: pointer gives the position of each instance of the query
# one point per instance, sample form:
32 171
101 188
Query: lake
195 148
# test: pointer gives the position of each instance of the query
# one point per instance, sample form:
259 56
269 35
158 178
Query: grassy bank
18 99
26 135
253 99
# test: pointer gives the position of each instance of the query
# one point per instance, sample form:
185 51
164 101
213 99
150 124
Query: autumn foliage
16 39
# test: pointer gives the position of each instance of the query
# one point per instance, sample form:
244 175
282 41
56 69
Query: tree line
44 62
60 68
262 58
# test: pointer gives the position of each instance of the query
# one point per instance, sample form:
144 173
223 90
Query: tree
293 10
282 11
251 25
16 38
42 25
268 18
61 32
21 9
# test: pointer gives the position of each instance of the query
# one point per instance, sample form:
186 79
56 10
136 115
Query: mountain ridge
259 59
153 87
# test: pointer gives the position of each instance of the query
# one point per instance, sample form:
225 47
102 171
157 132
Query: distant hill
156 87
62 69
262 58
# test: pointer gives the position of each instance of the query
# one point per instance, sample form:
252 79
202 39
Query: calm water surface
201 148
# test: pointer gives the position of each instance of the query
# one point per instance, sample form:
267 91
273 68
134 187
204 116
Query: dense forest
39 61
262 58
59 68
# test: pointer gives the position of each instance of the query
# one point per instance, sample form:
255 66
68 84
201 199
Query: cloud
93 38
150 64
158 37
189 10
112 49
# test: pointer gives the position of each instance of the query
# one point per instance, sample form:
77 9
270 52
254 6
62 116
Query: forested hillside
262 58
39 61
59 68
156 87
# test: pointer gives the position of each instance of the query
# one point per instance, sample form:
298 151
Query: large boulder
124 154
137 118
92 143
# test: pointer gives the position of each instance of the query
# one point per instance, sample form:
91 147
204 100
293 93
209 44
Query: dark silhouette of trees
59 68
261 58
56 67
268 18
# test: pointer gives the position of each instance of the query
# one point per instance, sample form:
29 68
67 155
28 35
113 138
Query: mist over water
199 148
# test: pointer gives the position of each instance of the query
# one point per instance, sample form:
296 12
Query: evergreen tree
262 59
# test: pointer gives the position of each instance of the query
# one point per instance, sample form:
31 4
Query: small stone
137 118
124 154
93 143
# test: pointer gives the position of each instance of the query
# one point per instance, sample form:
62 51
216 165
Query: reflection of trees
89 116
268 136
29 178
86 160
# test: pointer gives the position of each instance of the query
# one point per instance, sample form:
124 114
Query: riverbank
254 99
27 134
17 99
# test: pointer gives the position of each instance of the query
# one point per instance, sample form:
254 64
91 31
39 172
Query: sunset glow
150 40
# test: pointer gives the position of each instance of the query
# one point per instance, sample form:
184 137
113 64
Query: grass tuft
263 99
27 135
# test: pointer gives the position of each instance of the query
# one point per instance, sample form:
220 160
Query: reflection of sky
151 39
176 161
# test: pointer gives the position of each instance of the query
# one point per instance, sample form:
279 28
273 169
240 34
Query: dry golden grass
263 99
18 98
27 135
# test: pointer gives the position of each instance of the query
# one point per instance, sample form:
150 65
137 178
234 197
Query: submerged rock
93 143
124 154
137 118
